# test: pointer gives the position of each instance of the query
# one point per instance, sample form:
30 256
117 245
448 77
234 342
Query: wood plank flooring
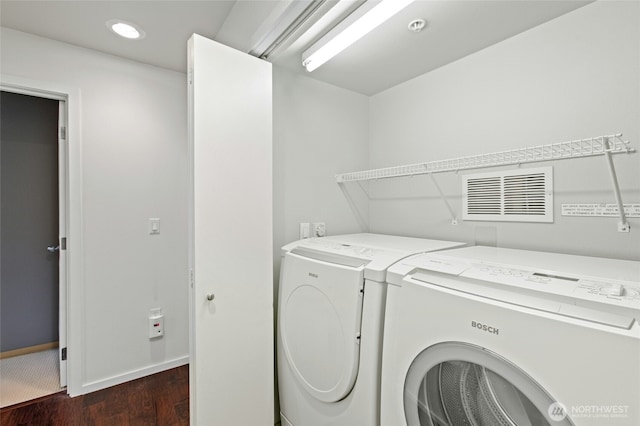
157 400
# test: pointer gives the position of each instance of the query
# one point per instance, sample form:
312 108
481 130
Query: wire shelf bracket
589 147
454 219
623 225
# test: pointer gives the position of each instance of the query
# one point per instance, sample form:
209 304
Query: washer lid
319 323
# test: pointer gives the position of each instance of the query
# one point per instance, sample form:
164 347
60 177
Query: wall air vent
524 195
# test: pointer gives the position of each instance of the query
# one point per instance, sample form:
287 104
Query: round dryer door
457 384
319 320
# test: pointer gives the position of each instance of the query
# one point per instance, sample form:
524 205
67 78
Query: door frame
70 159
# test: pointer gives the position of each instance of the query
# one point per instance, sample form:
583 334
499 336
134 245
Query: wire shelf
613 144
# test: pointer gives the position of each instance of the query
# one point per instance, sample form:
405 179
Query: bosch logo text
312 275
485 327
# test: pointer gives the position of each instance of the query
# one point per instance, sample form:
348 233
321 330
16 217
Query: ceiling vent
509 196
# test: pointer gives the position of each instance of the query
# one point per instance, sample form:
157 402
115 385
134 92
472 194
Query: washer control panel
490 272
609 290
619 293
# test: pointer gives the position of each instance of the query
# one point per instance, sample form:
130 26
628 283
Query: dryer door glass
457 384
461 393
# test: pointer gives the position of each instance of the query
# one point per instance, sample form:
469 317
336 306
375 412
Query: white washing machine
488 336
330 316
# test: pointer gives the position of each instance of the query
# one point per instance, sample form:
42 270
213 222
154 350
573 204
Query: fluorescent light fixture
364 19
125 29
275 30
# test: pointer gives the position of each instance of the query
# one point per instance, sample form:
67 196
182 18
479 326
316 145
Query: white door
62 240
230 136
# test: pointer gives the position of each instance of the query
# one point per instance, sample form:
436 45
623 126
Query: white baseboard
132 375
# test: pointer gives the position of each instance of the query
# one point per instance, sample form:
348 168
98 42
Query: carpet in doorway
27 377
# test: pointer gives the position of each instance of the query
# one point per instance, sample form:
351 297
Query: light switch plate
304 230
154 226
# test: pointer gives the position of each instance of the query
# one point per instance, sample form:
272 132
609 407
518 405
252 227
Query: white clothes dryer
488 336
330 317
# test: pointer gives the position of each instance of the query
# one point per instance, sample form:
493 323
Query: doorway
32 264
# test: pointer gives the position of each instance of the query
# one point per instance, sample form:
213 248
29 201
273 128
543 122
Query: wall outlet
318 229
304 230
156 324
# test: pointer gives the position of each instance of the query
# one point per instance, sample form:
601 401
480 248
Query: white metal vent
514 195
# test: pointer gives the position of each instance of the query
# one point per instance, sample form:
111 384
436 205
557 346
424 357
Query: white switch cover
318 229
304 230
154 226
156 326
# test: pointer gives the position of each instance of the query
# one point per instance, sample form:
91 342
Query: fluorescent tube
354 27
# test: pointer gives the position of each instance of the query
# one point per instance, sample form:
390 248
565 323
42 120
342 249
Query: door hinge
63 243
63 133
63 354
191 278
191 76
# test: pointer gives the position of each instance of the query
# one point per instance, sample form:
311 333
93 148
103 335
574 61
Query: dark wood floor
160 399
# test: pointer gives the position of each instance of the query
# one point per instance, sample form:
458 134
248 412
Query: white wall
571 78
133 140
319 131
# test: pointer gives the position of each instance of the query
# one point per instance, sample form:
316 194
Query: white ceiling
385 57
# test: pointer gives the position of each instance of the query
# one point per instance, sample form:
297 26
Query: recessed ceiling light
125 29
417 25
